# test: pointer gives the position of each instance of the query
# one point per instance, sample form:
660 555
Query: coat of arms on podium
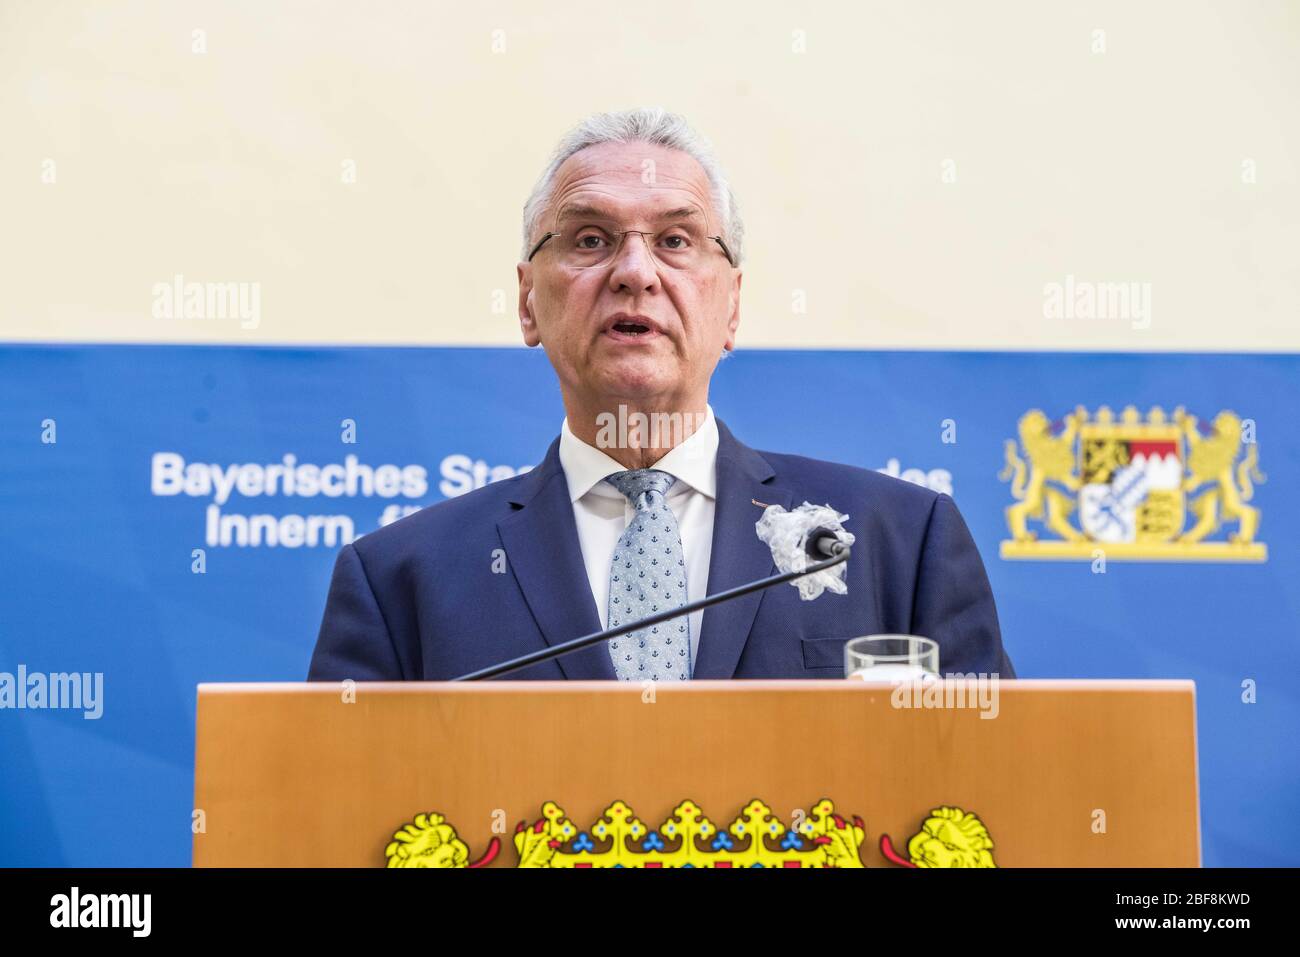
1159 488
822 838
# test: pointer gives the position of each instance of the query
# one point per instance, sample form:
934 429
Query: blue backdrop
98 570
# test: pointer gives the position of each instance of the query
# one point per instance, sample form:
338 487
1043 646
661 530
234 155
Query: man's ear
733 316
527 321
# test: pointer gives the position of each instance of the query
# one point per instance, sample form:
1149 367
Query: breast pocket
822 654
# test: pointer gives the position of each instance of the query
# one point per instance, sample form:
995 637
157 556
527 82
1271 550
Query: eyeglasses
586 239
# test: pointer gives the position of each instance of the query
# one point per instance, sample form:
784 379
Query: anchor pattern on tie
647 576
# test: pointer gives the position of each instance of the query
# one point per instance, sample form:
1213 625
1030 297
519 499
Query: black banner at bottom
503 905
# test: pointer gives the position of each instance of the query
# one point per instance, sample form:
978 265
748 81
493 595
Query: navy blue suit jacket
420 600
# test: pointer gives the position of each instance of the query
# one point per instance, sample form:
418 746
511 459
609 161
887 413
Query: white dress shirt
602 512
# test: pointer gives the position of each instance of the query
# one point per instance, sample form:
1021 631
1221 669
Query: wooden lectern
706 773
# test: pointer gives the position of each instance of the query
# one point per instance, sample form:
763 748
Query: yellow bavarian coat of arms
1156 488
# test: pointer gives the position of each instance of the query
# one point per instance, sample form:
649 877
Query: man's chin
636 378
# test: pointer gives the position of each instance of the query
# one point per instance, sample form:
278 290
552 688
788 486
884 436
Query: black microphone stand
818 541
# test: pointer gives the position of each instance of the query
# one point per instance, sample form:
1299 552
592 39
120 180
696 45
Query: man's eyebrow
681 212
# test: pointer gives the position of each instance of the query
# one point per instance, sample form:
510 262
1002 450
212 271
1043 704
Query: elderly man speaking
630 280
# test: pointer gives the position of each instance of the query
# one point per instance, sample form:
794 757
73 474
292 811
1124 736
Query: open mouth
631 328
626 328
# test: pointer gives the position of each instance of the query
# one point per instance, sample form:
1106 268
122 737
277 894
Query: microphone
826 545
809 532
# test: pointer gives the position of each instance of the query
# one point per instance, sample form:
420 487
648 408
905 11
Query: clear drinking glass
890 658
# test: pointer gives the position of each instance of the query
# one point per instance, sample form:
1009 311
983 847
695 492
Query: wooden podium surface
1068 773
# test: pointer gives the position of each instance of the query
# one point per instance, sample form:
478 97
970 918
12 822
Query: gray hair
646 125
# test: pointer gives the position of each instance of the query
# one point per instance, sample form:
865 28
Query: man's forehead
625 176
582 205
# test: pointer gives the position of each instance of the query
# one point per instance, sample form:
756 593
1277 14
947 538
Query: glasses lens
679 241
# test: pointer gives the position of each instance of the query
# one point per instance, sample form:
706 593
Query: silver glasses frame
622 237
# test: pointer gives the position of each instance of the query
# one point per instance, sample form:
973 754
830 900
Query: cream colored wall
226 165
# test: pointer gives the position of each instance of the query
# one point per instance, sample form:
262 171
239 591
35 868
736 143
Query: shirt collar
694 461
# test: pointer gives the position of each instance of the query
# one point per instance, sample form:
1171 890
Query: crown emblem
756 837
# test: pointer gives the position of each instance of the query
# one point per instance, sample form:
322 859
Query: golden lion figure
840 839
951 837
429 841
1051 458
1210 460
538 844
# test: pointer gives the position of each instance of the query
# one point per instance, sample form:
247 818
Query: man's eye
676 241
589 241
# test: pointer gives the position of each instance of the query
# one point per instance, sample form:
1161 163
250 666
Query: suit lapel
543 551
738 556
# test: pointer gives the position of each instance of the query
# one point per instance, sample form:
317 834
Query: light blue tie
648 575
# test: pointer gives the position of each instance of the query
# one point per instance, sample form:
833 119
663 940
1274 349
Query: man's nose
634 265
